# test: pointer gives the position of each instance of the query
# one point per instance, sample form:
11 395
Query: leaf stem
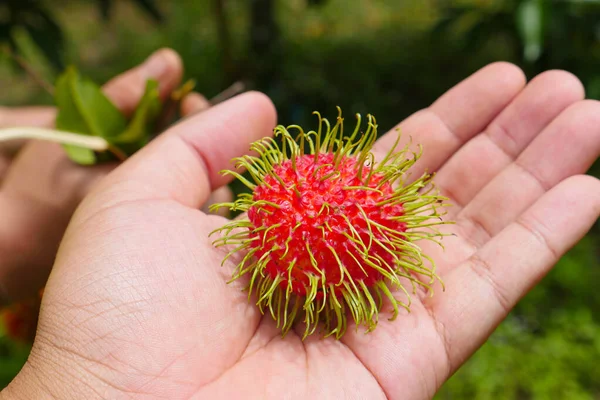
235 89
121 156
89 142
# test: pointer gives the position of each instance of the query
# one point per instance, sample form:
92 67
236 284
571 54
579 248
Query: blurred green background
385 57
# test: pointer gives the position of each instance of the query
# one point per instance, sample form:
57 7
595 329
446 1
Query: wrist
28 384
48 375
45 375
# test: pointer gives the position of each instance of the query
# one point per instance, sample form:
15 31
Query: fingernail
156 65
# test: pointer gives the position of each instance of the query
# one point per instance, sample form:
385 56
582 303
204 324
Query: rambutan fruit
329 228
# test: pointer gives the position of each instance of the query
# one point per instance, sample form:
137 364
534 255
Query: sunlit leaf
84 109
141 125
31 54
80 155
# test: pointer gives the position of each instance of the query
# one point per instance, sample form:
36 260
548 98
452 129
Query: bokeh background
385 57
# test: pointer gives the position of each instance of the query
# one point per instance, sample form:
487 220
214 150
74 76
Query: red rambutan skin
304 219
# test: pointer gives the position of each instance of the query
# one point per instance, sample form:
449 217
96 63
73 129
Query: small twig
229 92
118 153
95 143
29 70
171 106
234 89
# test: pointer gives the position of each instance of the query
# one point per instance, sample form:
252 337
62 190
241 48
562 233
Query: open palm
138 306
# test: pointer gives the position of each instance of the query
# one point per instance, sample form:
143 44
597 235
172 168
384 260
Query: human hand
41 187
137 304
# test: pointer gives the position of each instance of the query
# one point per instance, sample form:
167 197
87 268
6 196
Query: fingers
4 165
43 187
26 116
194 103
59 183
568 146
21 116
184 163
482 158
126 89
221 195
457 116
41 192
29 238
481 291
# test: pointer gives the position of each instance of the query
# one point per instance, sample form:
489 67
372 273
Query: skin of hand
137 305
41 187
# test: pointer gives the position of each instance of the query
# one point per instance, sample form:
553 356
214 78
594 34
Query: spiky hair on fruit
329 228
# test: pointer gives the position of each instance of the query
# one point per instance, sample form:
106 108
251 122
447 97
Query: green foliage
12 357
518 364
141 126
549 346
83 108
41 26
33 17
541 34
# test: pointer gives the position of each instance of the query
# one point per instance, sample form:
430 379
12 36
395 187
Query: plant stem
29 70
89 142
234 89
121 156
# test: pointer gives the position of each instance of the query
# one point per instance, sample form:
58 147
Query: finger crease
541 183
369 371
480 229
504 133
459 140
441 331
201 157
452 197
540 237
483 270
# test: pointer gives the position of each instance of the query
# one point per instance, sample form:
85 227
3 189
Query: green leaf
24 45
530 24
84 109
80 155
41 28
12 357
141 125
